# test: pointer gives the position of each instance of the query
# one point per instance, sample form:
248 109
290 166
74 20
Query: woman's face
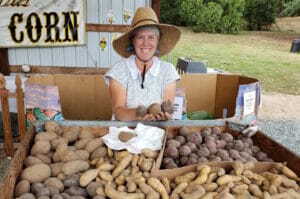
145 43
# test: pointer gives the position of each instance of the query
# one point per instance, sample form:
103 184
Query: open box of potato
186 145
50 162
232 180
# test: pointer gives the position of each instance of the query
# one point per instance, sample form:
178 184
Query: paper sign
178 104
249 102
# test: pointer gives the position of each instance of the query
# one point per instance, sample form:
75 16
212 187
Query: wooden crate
274 150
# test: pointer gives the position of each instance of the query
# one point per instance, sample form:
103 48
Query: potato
74 166
261 155
71 135
52 126
59 154
36 186
43 192
215 159
171 152
50 135
55 168
36 173
183 160
205 133
229 146
92 187
76 191
31 160
238 145
192 146
222 153
80 144
55 182
203 152
234 154
167 160
173 142
216 130
183 131
41 147
27 196
141 111
53 190
180 139
195 138
254 149
220 144
55 142
202 160
167 106
99 153
193 155
43 158
247 140
94 144
191 161
185 150
71 181
85 134
22 187
171 165
209 139
227 137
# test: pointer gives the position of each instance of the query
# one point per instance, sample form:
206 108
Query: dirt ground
280 106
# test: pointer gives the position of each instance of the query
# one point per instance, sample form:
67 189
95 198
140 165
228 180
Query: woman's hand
148 117
164 116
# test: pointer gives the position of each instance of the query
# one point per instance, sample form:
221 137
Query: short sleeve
117 72
170 73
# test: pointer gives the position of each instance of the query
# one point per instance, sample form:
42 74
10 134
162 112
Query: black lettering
72 26
12 27
38 27
49 26
22 3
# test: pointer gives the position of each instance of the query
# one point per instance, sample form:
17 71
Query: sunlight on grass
263 55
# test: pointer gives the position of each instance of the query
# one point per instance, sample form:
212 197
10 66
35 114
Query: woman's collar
154 70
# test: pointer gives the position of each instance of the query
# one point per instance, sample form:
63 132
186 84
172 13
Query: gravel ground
284 131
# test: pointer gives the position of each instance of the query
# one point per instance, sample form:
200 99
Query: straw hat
146 16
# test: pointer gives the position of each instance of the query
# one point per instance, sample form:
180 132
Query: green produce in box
200 115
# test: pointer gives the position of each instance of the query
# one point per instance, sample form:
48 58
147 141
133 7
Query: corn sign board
41 23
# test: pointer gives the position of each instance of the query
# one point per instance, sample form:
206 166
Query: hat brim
169 37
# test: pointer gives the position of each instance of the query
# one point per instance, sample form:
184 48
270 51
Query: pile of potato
209 144
66 163
240 182
72 164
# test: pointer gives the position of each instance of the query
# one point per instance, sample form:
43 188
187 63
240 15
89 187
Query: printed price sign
178 104
249 102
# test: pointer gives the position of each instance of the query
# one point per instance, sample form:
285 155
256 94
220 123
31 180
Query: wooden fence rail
5 95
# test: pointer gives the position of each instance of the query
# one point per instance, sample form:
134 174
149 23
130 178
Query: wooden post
4 65
20 107
6 118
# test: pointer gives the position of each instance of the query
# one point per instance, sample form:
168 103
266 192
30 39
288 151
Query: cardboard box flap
82 97
200 91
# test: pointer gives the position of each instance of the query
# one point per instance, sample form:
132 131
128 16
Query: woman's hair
154 28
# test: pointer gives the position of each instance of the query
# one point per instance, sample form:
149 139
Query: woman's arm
118 95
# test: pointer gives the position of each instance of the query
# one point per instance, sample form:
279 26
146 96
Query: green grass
262 55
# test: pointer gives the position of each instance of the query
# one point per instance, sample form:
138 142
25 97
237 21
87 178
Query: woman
141 78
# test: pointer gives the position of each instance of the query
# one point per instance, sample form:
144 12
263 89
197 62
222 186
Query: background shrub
291 8
260 14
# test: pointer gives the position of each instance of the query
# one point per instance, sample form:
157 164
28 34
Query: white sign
41 23
178 104
249 102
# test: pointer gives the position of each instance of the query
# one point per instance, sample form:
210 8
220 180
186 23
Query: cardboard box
273 149
86 97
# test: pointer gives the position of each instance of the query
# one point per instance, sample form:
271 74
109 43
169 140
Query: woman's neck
140 64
